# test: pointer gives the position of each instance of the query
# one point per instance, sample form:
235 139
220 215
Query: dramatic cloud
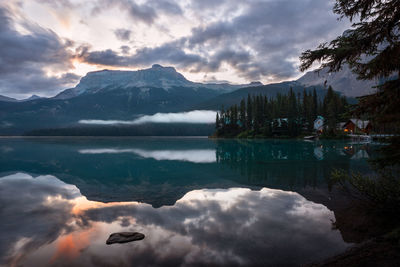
196 116
26 58
170 53
146 12
233 40
57 3
262 42
123 34
143 13
273 32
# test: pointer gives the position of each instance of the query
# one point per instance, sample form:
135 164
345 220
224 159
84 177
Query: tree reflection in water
290 165
198 201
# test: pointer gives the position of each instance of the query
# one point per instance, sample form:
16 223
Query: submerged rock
124 237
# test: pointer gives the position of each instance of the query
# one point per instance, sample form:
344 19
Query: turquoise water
198 201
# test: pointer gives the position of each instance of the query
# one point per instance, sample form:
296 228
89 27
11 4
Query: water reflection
290 165
190 155
159 171
51 223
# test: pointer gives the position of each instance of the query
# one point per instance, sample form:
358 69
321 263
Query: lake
198 201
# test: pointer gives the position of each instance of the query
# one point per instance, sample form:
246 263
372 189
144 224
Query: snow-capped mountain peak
156 76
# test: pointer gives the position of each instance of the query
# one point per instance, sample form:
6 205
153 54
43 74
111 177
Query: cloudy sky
47 45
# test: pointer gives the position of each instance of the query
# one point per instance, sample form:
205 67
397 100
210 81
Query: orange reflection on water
70 246
82 204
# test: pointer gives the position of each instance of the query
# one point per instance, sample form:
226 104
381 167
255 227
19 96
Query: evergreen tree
305 105
266 112
242 114
223 118
258 113
331 104
217 123
283 115
314 106
292 113
372 50
249 120
235 115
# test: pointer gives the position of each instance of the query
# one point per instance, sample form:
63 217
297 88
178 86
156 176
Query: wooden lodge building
354 126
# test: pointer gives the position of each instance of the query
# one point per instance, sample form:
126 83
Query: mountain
66 94
10 99
7 99
343 81
32 97
269 90
110 95
126 95
118 104
157 76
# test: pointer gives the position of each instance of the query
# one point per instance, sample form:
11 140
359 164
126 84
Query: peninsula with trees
287 115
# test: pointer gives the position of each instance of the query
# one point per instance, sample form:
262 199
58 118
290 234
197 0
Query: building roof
280 121
358 123
319 123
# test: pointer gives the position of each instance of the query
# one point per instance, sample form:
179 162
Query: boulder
124 237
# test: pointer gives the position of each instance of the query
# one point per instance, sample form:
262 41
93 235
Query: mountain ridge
125 95
7 99
269 90
156 76
343 81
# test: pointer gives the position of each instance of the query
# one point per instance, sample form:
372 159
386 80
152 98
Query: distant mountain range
125 95
157 76
269 90
7 99
343 81
10 99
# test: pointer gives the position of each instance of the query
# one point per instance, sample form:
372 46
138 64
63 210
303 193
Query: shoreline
101 136
4 137
379 251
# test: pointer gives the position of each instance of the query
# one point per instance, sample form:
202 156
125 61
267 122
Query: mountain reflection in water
198 201
159 171
45 221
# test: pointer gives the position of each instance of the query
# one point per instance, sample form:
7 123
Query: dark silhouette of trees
371 47
285 115
372 50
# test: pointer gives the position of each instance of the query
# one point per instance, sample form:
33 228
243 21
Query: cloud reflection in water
192 155
51 223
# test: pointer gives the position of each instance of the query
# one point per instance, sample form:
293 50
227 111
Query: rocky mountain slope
125 95
157 76
343 81
110 95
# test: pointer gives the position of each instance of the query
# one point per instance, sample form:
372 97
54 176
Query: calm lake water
198 201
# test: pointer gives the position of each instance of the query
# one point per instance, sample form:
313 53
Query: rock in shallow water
124 237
